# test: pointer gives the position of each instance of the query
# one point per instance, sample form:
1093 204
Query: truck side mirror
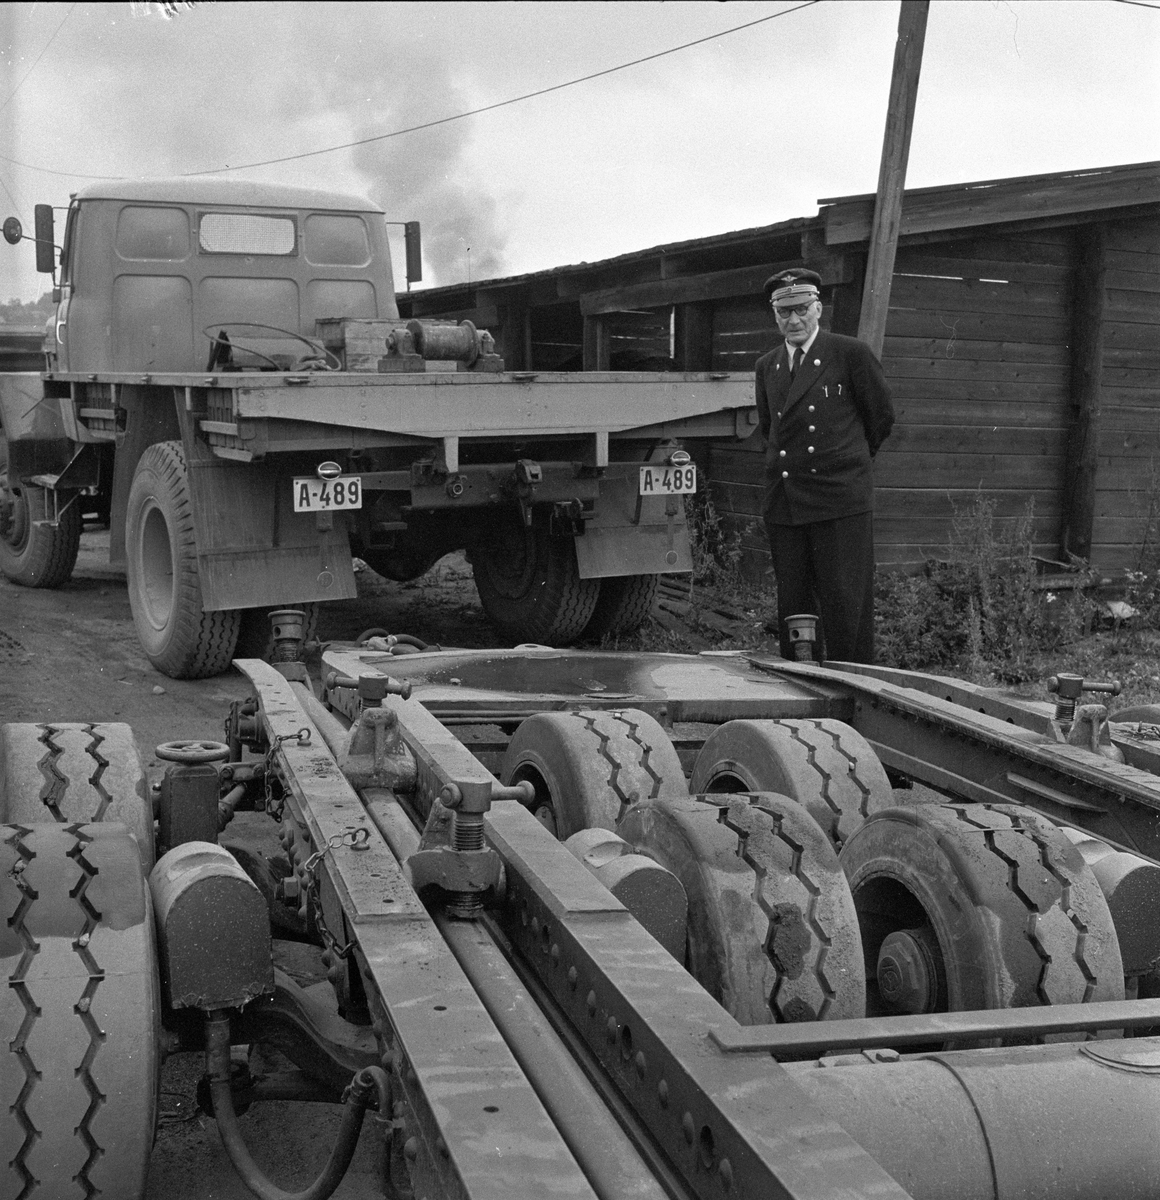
13 230
414 248
45 248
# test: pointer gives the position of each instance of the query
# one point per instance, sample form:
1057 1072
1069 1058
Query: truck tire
79 1020
772 932
34 553
529 583
589 768
1002 909
256 634
76 774
623 606
178 636
823 764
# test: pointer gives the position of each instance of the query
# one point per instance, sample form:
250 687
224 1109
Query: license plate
325 495
668 481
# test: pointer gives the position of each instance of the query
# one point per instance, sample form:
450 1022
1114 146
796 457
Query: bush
978 613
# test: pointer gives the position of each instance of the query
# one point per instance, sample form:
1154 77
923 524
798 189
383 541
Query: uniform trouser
827 568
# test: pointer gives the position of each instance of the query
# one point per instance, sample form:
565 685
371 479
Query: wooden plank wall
1128 468
977 356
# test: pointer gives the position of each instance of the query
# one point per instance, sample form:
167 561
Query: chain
275 807
356 839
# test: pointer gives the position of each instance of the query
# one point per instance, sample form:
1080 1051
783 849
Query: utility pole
892 174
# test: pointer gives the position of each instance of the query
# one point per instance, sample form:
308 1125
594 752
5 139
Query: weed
716 549
979 612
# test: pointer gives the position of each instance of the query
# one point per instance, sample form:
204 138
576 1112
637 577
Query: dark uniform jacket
821 430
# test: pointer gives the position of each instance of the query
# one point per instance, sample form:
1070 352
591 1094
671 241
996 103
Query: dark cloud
424 176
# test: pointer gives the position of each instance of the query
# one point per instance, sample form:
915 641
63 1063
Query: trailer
229 385
598 925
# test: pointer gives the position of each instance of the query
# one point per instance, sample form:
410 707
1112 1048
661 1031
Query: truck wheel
32 552
529 584
623 606
589 768
75 774
256 634
79 1019
824 765
772 932
978 906
179 638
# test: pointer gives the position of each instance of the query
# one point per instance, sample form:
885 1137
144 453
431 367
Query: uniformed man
824 408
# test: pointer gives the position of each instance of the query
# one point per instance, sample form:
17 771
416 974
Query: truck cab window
246 233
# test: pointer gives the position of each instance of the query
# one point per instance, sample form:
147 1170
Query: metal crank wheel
589 768
193 753
825 765
72 773
79 1018
529 582
772 932
976 906
178 636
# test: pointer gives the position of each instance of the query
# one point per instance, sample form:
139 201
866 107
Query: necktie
794 358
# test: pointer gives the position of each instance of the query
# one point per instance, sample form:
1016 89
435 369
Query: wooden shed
1022 347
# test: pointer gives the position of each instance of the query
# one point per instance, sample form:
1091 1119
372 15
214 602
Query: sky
745 129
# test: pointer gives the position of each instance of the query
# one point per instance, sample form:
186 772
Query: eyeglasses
798 310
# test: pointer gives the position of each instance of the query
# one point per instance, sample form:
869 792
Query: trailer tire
529 583
772 931
73 773
623 606
825 765
256 634
178 636
1013 915
79 1015
34 553
589 768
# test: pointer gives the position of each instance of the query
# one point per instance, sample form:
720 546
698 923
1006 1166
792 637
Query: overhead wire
43 51
454 116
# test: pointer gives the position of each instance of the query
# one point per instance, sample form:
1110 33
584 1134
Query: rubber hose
406 639
367 1081
374 631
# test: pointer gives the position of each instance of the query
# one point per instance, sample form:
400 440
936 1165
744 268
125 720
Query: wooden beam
892 175
597 345
691 289
1081 466
694 348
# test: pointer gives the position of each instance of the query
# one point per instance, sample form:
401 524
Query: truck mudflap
630 534
252 548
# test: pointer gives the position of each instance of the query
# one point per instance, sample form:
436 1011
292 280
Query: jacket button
811 410
812 428
813 470
809 449
779 414
781 454
785 474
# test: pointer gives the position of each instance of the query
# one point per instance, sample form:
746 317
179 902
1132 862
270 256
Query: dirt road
72 655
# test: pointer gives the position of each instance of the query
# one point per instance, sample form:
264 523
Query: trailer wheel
79 1019
978 906
75 773
772 932
824 765
589 768
256 634
34 553
178 636
623 606
529 583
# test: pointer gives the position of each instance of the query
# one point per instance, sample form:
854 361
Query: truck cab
153 271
